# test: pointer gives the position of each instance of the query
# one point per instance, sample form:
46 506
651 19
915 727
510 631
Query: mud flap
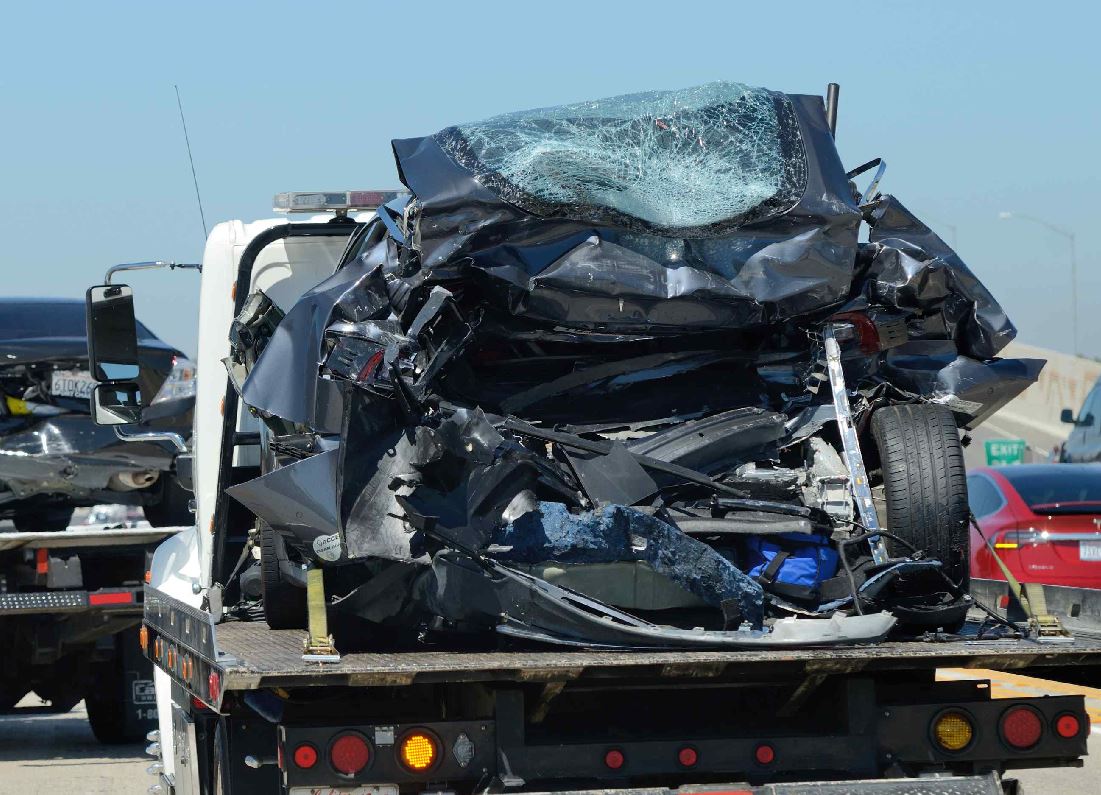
138 693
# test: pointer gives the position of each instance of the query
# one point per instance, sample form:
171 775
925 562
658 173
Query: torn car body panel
640 276
593 337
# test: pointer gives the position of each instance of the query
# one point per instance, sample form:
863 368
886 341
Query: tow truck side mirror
116 404
1067 416
113 354
112 333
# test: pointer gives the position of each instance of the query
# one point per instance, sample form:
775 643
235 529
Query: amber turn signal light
419 751
953 731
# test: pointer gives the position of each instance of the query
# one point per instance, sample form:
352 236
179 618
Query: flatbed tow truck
242 710
70 606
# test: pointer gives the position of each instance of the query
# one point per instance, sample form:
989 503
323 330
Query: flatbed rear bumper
108 600
948 785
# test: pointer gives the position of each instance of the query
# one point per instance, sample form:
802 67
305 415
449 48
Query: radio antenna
194 178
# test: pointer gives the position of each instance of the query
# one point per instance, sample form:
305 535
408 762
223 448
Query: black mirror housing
117 403
1067 416
112 333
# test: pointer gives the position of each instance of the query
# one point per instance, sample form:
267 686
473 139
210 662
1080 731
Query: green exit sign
1004 451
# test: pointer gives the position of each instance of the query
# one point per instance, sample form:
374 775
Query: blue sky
977 109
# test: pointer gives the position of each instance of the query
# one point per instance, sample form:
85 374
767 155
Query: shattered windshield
720 154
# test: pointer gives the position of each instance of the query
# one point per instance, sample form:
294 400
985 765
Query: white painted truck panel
285 269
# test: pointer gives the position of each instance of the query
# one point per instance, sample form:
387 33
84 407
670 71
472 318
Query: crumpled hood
590 266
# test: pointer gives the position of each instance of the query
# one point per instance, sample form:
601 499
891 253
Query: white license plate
72 383
1089 550
373 790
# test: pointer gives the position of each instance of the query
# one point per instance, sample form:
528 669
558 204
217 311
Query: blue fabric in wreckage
618 533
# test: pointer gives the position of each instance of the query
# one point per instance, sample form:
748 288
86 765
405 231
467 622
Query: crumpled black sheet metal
973 389
284 380
913 269
507 387
580 275
301 499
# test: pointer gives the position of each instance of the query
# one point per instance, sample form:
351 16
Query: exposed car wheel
284 602
924 483
173 507
43 520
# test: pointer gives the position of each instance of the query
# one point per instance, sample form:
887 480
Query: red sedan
1044 520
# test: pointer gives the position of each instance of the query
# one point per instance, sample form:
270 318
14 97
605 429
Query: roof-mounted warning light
342 201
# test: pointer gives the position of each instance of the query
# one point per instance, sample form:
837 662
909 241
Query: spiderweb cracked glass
667 161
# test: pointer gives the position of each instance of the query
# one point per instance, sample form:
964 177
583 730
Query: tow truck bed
267 658
247 655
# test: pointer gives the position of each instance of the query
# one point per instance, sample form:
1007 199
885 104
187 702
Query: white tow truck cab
241 711
286 257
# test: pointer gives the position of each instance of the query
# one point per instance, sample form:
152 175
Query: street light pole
1069 235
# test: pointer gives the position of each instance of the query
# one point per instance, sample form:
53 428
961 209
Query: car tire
284 602
43 520
173 508
924 483
219 760
107 707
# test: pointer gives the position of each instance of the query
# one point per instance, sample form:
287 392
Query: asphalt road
47 754
44 753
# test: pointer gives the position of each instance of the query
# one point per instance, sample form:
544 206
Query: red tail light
305 756
1068 726
873 332
214 685
614 759
688 756
867 335
765 754
349 753
1021 727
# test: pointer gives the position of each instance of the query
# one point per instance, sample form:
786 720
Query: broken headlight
180 382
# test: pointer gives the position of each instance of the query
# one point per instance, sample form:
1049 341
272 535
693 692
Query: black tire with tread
219 783
107 704
924 482
284 602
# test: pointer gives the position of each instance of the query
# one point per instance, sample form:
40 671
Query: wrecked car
621 374
53 457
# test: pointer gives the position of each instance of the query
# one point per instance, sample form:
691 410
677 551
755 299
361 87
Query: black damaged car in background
648 371
53 458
